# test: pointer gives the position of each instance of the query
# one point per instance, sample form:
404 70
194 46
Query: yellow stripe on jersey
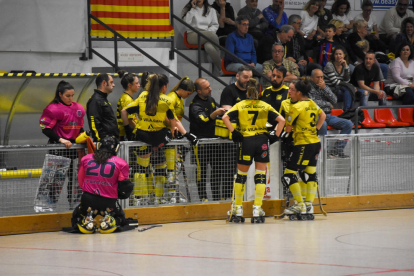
155 122
253 115
303 116
204 119
94 128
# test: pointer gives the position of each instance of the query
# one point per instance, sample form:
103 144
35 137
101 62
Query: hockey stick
148 228
320 203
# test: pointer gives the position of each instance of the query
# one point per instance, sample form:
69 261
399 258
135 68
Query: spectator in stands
101 117
391 23
203 113
257 23
326 46
240 43
406 34
337 76
340 38
275 15
226 19
325 16
340 10
310 20
400 81
278 52
366 78
359 33
283 35
200 15
322 95
231 95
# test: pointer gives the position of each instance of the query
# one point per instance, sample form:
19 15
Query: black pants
99 203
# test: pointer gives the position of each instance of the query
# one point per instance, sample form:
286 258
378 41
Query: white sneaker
258 211
309 207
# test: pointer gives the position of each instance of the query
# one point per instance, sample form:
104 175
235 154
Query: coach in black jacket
101 117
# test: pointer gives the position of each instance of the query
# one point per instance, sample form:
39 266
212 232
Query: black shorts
254 148
155 139
303 156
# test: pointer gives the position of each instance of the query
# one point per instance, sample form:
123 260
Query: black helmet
108 144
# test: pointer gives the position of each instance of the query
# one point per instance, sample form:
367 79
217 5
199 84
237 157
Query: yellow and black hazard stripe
51 75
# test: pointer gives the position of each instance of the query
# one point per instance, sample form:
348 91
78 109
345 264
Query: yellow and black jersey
303 116
151 122
274 97
252 116
124 100
178 104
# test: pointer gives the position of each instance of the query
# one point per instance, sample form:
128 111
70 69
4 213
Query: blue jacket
243 47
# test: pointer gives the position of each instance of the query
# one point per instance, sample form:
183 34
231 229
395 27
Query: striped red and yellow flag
132 18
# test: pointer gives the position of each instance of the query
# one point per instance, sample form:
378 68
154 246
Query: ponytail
252 92
155 82
126 78
185 84
304 86
61 88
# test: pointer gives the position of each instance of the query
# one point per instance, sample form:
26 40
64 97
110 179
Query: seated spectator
362 77
283 35
391 23
275 15
325 16
340 38
278 52
337 76
340 10
364 46
399 82
202 17
257 23
359 33
326 46
310 23
406 34
372 31
277 92
240 43
322 95
226 19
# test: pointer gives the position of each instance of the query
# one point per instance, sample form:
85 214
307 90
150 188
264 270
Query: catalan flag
132 18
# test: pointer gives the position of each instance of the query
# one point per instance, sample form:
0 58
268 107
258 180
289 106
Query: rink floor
357 243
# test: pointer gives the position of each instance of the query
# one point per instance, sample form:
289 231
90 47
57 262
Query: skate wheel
263 219
311 217
292 217
242 219
252 220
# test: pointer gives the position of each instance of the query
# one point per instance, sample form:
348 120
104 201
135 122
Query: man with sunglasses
391 24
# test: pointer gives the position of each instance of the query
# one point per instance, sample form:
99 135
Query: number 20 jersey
253 115
102 179
303 116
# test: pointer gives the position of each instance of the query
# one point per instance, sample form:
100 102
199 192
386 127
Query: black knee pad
241 179
306 177
259 179
141 169
289 179
161 171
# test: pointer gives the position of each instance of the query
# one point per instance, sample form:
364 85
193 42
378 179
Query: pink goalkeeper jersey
66 121
102 179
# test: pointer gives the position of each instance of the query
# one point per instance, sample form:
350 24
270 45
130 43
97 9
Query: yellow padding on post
20 173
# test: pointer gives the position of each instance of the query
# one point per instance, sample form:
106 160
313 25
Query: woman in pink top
400 82
62 122
104 178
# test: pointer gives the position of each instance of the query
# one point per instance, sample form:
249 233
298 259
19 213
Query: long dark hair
304 86
61 88
155 82
126 78
338 3
101 156
339 47
252 92
206 7
402 45
185 83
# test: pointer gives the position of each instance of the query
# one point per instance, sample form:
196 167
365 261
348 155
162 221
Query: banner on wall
299 4
57 26
381 4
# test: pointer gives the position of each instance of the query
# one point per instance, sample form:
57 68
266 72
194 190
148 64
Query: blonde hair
357 24
311 2
363 44
337 23
252 92
185 83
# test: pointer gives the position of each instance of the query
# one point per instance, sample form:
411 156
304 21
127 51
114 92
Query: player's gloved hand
285 137
128 132
178 135
192 138
272 137
236 136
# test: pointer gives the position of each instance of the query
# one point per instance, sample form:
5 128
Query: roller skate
236 215
296 211
159 200
174 197
258 214
108 223
87 225
171 178
309 211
